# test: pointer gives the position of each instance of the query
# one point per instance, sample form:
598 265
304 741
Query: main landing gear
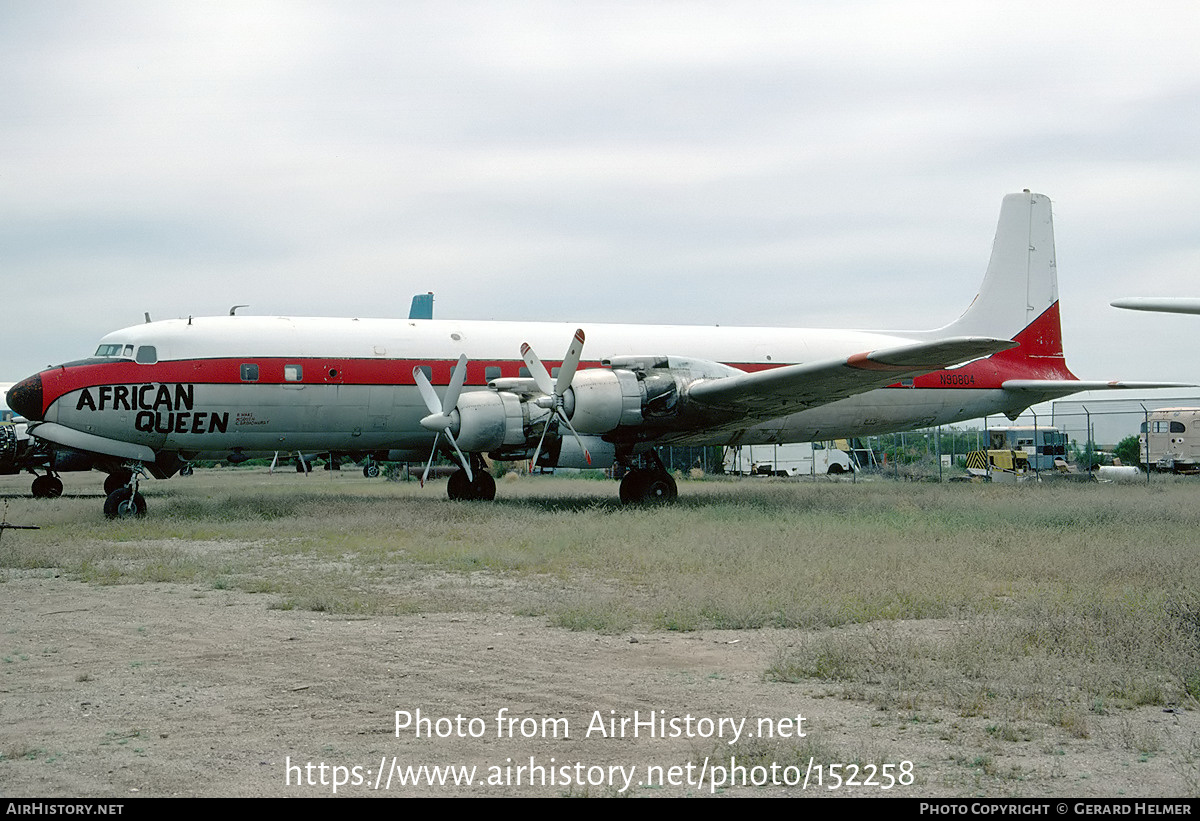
480 487
648 481
123 500
48 486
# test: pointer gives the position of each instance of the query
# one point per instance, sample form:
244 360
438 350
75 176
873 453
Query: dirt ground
171 690
157 690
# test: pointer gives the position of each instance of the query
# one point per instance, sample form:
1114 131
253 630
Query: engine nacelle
601 400
487 420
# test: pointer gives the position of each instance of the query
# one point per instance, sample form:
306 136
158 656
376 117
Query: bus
1172 447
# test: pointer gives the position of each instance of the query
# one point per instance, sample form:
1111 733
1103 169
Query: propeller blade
537 451
429 464
556 389
537 370
462 460
457 377
439 412
570 364
428 394
586 455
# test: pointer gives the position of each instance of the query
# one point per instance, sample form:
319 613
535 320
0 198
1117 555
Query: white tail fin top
1021 282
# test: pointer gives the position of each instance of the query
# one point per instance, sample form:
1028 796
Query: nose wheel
123 500
124 503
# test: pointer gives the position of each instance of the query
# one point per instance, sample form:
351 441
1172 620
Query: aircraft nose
25 398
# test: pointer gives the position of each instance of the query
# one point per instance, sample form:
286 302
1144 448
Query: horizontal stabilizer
768 394
89 442
1065 387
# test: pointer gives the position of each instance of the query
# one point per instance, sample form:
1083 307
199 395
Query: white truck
793 459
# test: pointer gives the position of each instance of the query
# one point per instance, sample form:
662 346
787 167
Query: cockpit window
147 354
114 350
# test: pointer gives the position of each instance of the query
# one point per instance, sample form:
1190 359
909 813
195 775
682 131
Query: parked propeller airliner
156 395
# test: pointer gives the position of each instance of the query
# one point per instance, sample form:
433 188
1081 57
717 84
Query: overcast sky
797 163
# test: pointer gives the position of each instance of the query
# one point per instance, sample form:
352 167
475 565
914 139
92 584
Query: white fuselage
262 384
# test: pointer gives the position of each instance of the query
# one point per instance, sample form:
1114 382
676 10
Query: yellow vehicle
999 465
1043 444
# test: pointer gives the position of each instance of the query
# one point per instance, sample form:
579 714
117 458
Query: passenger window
523 372
491 372
293 373
249 373
428 371
146 354
1177 427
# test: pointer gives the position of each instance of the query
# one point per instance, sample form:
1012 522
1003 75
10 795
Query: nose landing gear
123 500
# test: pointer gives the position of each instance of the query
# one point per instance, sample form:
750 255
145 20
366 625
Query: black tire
484 486
186 470
114 481
302 466
124 503
371 471
481 489
631 487
47 487
459 487
660 488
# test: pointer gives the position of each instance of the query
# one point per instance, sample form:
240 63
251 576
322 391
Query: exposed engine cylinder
601 400
12 445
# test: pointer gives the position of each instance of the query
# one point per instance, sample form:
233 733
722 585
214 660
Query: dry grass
1053 603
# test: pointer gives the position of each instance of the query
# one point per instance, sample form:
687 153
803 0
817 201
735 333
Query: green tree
1129 450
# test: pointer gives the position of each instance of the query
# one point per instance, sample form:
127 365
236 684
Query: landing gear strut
647 482
123 501
482 487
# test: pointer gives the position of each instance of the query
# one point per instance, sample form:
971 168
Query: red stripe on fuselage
65 379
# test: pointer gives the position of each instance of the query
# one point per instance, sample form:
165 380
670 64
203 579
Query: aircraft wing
780 391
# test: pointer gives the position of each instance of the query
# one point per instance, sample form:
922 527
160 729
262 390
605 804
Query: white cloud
753 162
